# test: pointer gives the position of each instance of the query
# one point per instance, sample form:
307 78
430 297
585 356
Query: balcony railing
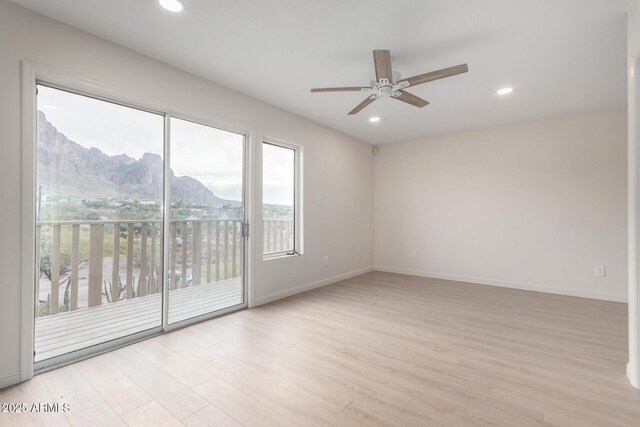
278 235
102 262
75 254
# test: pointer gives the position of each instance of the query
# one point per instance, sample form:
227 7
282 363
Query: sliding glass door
104 266
206 243
98 222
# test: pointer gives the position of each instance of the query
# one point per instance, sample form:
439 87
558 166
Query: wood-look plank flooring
376 350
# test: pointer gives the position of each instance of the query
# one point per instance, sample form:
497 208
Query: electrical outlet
319 201
413 254
600 271
326 260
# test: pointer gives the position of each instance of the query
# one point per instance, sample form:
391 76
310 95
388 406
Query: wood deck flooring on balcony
70 331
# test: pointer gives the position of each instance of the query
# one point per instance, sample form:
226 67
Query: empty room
320 213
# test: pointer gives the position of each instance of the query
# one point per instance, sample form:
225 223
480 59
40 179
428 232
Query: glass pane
99 221
207 211
278 198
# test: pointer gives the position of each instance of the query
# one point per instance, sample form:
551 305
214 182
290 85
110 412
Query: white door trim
633 369
27 318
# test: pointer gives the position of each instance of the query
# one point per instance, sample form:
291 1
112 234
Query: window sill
279 255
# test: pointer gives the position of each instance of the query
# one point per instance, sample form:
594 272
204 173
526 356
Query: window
280 199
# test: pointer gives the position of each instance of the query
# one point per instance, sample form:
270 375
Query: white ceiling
560 56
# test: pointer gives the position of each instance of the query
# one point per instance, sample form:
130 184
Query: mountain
67 169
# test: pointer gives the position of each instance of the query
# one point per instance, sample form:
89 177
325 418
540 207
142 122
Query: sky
277 175
210 155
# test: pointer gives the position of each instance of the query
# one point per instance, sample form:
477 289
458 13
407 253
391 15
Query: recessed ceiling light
374 119
505 90
172 5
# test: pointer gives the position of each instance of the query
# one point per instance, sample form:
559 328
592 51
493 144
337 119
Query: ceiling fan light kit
388 84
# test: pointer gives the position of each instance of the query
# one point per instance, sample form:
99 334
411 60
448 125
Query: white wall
533 206
633 49
341 228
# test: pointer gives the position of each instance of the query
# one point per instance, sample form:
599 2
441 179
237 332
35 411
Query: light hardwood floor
378 349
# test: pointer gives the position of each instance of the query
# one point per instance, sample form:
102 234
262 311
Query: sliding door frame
33 74
167 220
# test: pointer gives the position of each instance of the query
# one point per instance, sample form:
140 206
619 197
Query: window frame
297 199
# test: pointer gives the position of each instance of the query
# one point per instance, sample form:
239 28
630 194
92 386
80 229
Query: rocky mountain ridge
67 169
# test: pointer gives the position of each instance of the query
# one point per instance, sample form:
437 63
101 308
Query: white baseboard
8 379
633 378
522 286
308 286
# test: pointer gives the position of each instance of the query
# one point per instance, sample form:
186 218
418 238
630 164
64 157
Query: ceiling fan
389 85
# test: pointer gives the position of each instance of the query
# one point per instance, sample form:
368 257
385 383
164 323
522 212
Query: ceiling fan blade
382 62
410 98
341 89
434 75
363 104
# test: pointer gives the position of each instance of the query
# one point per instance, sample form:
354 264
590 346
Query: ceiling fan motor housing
385 91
